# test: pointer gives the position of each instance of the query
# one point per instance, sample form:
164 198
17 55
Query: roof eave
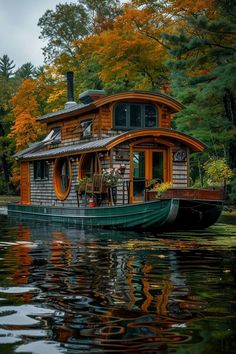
59 116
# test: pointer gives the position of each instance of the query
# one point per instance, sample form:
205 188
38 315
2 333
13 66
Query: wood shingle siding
180 174
43 193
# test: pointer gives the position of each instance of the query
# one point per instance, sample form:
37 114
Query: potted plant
161 188
112 177
81 184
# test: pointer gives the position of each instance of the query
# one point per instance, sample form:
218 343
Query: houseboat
114 161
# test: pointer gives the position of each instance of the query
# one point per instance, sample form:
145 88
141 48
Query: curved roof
150 96
174 135
157 97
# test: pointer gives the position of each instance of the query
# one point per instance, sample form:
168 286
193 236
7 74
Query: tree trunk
230 112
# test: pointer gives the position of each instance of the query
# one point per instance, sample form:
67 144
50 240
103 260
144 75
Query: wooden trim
154 140
24 183
157 98
56 179
167 164
194 144
194 194
81 161
131 174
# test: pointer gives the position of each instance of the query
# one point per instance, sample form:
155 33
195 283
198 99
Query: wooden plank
194 194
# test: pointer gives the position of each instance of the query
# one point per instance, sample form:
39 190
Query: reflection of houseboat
129 135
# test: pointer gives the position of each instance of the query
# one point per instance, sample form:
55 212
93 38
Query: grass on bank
5 199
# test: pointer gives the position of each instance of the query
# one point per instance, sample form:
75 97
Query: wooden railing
194 194
121 194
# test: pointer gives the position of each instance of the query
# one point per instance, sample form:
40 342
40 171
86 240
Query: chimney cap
91 95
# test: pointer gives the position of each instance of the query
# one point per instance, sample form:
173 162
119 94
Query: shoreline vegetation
5 199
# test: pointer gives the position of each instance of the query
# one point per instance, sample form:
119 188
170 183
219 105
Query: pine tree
203 77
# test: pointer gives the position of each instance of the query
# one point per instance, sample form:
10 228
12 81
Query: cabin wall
42 191
102 124
105 120
180 174
120 157
71 131
180 169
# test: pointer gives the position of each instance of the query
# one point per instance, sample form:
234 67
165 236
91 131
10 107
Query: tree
126 54
26 71
61 27
26 110
6 67
6 144
203 77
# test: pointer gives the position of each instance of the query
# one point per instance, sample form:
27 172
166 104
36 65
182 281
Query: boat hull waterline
154 215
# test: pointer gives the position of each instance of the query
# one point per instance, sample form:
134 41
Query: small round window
62 177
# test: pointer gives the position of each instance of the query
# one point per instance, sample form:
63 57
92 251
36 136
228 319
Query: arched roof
143 96
168 134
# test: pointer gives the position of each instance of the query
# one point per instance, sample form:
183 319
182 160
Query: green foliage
6 67
61 27
26 71
232 188
218 171
204 80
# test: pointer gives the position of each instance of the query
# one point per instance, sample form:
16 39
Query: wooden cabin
128 131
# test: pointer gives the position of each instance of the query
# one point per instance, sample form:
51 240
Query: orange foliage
26 110
130 48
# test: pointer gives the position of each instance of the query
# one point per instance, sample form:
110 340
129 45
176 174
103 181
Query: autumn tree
128 57
26 110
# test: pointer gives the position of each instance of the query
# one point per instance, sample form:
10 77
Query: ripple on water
13 336
18 290
41 347
22 315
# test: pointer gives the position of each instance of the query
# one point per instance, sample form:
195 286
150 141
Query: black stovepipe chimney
70 86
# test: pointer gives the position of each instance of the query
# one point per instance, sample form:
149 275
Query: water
66 290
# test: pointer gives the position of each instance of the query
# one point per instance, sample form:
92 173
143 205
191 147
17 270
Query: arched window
62 177
135 115
89 164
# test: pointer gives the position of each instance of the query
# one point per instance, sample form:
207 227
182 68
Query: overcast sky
19 31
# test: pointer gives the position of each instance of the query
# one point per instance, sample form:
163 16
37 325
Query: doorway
147 164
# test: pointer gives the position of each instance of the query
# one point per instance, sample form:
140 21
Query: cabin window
135 115
54 135
89 164
150 116
41 170
121 115
62 177
86 127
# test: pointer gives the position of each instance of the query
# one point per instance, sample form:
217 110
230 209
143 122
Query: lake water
67 290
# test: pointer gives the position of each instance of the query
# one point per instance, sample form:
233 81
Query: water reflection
66 290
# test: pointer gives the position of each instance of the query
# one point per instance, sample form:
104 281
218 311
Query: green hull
143 216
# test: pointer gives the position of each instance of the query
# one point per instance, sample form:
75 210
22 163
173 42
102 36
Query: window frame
128 116
59 162
40 170
86 125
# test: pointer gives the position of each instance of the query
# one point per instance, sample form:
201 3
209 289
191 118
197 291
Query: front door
147 164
